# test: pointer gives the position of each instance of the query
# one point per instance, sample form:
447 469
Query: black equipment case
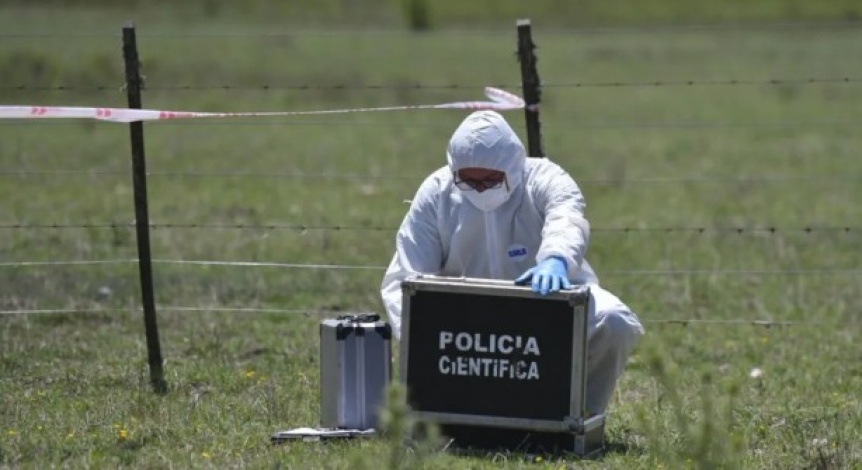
497 365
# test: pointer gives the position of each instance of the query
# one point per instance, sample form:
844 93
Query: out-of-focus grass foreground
717 147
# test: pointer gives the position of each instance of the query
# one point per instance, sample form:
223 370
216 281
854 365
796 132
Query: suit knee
621 328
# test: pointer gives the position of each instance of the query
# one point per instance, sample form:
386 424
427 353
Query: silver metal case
355 369
497 365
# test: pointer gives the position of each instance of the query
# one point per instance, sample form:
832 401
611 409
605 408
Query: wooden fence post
531 88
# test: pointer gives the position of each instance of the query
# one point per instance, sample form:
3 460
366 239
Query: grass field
669 172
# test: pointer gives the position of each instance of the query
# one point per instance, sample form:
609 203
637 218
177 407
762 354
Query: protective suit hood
485 140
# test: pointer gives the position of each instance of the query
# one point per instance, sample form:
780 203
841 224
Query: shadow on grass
610 448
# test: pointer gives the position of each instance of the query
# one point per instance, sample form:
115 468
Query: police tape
500 101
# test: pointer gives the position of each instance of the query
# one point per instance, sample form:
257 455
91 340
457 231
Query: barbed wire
214 174
347 228
834 26
568 126
451 86
7 173
67 262
318 266
317 312
820 26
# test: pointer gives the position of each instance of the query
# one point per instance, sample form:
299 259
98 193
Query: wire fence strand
557 125
10 173
392 228
830 271
659 83
728 26
684 322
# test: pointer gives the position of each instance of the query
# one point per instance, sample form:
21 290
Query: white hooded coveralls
543 215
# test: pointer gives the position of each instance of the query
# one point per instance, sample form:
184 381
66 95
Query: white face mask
489 199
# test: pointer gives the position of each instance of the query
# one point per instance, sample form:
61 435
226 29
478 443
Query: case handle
361 318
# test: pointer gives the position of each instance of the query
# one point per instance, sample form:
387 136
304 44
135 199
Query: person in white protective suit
493 213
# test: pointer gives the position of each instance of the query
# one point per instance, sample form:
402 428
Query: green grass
75 386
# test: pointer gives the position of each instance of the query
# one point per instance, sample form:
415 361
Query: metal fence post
142 220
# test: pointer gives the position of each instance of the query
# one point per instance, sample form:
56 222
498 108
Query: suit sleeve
565 231
418 249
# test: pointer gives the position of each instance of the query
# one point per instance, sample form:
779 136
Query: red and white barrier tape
500 101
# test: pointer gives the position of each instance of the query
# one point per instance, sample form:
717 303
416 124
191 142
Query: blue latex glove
550 275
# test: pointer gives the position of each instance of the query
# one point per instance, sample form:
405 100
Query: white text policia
496 367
